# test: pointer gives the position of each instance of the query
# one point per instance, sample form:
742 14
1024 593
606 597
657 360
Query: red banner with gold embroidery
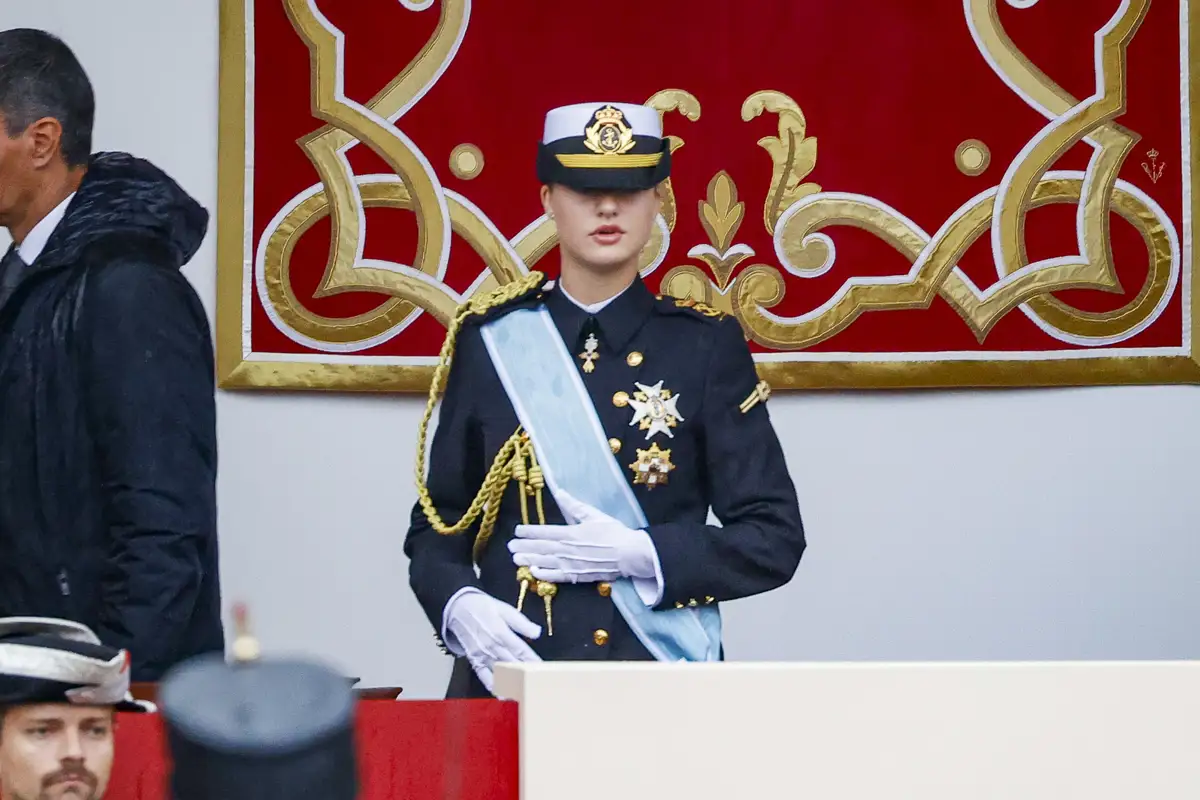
942 193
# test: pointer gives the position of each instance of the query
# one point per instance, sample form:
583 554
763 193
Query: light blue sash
548 394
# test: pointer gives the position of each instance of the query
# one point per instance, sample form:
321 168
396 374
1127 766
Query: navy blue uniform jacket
724 458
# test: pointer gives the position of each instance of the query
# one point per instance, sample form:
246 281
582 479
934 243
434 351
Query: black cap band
645 166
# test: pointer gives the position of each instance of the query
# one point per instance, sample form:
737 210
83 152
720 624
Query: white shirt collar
35 242
594 307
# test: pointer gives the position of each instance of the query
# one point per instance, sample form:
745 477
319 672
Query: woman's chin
606 259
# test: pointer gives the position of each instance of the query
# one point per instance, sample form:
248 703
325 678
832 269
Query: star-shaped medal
654 409
652 467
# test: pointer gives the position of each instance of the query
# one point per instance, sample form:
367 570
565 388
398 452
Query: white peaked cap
67 629
568 121
47 660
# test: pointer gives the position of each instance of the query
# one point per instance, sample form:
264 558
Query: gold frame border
234 372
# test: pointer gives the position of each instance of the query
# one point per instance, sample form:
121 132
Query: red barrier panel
448 749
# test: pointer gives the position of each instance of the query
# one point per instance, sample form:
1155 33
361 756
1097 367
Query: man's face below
55 752
17 174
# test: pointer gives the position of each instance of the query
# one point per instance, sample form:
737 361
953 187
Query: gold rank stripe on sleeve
760 394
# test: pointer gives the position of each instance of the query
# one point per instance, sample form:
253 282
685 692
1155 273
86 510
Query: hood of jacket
126 203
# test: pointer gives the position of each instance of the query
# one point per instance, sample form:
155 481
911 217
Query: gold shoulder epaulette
760 394
504 294
695 305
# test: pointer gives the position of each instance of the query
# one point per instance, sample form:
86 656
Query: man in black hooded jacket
108 451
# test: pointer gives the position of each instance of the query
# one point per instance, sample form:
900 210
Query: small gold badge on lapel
654 409
651 467
589 354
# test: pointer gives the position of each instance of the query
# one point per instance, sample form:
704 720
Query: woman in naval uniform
585 431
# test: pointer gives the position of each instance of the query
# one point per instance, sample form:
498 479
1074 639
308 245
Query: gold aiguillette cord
531 482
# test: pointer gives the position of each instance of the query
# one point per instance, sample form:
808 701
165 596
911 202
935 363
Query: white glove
595 548
487 631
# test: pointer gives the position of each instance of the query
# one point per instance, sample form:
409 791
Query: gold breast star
651 467
654 409
589 354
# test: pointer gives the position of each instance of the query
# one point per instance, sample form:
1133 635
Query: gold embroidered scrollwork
1115 143
797 213
686 104
344 196
793 154
721 216
666 101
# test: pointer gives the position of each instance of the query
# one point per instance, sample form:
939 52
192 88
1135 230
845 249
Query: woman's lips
607 234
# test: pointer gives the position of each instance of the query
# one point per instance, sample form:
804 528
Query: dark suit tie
11 269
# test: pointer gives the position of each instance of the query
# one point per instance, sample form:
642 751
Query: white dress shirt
35 242
594 308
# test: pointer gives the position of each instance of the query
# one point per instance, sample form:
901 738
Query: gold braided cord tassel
488 524
546 590
521 475
537 482
496 476
529 480
525 579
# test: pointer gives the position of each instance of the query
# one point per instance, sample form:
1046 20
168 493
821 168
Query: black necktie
11 269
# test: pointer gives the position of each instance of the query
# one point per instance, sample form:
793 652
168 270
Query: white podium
871 731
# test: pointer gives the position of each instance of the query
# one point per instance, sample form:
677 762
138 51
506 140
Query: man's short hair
40 77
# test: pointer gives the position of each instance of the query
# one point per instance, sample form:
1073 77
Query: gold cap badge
608 135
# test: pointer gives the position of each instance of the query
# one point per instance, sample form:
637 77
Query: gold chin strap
516 460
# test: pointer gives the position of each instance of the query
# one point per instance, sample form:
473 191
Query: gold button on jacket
600 637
